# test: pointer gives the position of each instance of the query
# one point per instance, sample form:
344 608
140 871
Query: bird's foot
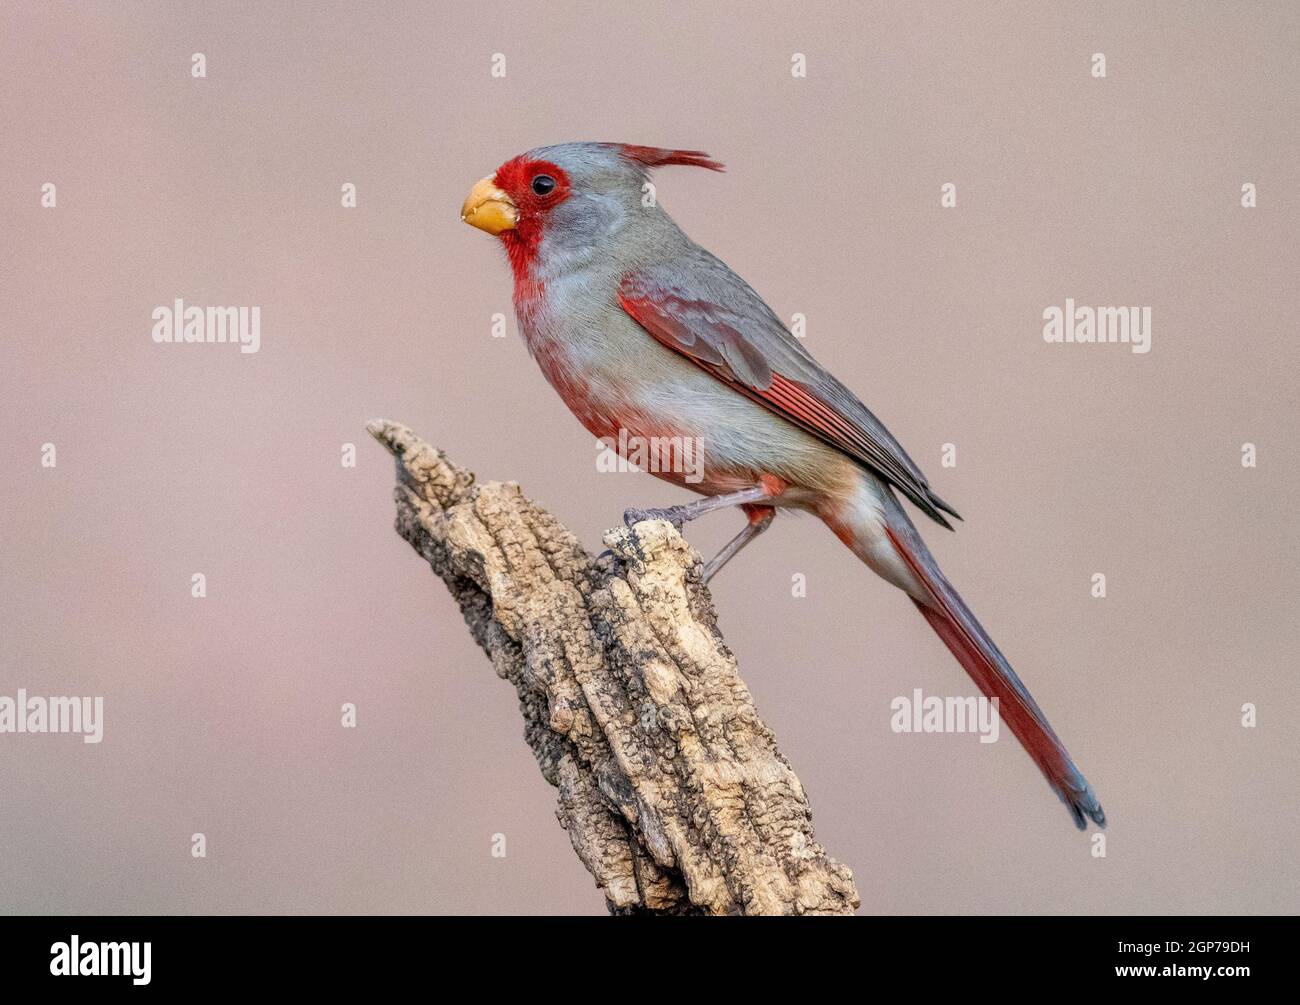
675 515
606 562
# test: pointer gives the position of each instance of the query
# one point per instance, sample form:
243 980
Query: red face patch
537 187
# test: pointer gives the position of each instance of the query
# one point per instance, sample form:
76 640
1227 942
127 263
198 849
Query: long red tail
970 643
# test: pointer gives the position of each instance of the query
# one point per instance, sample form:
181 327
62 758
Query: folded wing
701 309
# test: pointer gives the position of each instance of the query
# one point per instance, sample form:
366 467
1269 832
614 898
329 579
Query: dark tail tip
1083 806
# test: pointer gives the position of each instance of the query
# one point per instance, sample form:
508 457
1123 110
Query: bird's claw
673 514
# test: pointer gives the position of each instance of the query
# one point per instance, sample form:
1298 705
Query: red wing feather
727 330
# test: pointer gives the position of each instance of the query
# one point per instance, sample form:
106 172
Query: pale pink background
222 714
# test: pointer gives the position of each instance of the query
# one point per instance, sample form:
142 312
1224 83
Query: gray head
563 202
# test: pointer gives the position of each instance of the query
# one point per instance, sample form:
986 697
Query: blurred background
222 714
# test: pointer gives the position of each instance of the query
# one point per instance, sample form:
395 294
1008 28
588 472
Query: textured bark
671 788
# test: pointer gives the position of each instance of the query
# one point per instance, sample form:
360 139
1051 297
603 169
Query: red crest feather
659 157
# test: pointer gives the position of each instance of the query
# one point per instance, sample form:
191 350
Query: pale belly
644 400
627 389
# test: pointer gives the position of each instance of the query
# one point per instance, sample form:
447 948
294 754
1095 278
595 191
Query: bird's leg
760 518
679 515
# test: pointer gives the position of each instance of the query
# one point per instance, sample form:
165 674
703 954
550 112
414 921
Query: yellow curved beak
488 208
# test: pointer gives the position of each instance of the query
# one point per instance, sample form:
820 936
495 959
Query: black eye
543 184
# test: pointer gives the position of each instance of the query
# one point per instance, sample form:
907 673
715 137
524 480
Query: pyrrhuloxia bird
641 330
